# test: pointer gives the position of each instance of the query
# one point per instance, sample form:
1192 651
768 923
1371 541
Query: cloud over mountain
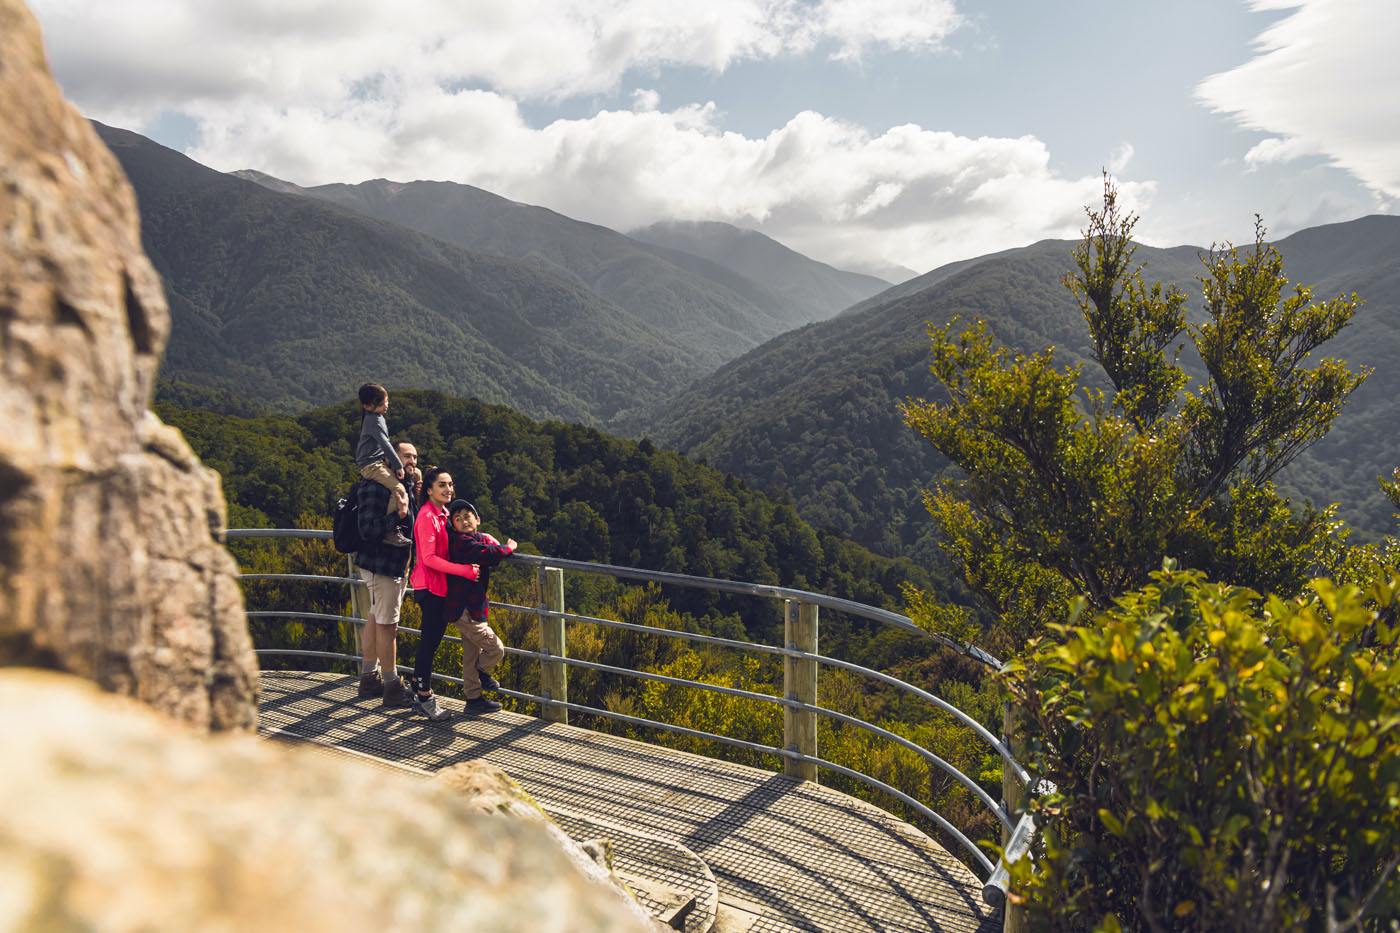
1324 82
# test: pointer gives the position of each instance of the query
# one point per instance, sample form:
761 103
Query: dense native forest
574 492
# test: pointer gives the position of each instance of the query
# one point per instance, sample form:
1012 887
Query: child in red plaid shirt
468 606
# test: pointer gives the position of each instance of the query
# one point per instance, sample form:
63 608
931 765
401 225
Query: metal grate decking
785 855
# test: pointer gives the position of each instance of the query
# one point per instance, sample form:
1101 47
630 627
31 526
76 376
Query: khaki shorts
385 595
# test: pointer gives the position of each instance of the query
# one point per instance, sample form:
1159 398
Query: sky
882 136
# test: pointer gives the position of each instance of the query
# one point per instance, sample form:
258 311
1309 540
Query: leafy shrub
1220 760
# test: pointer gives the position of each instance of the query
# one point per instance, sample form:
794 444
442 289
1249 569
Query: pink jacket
431 567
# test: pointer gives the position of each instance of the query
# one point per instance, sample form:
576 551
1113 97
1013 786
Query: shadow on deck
785 855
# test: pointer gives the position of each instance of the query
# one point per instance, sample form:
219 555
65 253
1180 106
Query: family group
409 517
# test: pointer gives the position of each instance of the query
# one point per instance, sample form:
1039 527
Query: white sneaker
429 707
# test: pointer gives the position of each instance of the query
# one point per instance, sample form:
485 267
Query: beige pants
385 477
481 650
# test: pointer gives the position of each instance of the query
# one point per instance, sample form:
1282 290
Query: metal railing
798 703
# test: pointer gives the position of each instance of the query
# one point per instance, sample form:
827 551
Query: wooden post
800 683
359 608
554 675
1013 792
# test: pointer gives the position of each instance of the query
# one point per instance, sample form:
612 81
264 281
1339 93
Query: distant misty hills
718 342
814 286
292 297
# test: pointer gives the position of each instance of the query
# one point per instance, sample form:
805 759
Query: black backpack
345 524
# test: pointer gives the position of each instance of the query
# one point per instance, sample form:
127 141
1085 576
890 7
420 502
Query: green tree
1068 490
1220 761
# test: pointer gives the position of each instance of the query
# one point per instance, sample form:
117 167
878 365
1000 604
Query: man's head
374 397
463 515
408 455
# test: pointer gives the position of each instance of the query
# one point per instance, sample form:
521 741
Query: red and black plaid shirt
470 595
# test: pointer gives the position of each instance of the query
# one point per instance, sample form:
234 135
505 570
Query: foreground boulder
124 820
111 561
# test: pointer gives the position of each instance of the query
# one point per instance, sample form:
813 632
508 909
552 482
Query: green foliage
963 684
296 556
1220 760
937 617
185 395
707 711
1065 490
1261 405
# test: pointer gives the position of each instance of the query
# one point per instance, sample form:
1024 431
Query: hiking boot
487 681
430 707
395 538
481 705
395 692
370 685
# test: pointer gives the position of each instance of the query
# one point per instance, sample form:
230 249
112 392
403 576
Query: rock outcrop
111 561
112 568
118 819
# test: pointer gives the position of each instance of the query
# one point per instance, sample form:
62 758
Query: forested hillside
290 301
706 307
1359 256
815 412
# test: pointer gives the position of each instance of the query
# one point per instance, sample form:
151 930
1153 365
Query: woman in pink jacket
429 582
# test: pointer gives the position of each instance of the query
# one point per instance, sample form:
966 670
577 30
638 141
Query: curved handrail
901 622
794 653
994 891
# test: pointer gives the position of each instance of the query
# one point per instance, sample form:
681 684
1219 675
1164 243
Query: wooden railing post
1013 792
359 608
554 675
800 683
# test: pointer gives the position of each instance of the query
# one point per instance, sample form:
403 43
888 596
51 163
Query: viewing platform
753 850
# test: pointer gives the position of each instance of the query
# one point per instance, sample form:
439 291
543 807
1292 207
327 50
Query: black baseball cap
457 505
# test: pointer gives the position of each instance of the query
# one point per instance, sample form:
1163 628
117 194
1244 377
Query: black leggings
433 627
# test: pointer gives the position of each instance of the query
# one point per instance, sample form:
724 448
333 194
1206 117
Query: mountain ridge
815 411
822 288
260 281
710 307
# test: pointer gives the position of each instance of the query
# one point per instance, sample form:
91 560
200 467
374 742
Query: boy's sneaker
395 692
396 538
429 707
370 685
487 681
481 705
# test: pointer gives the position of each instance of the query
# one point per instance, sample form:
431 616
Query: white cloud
910 196
1120 158
165 51
1324 81
318 91
645 99
1274 150
856 25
